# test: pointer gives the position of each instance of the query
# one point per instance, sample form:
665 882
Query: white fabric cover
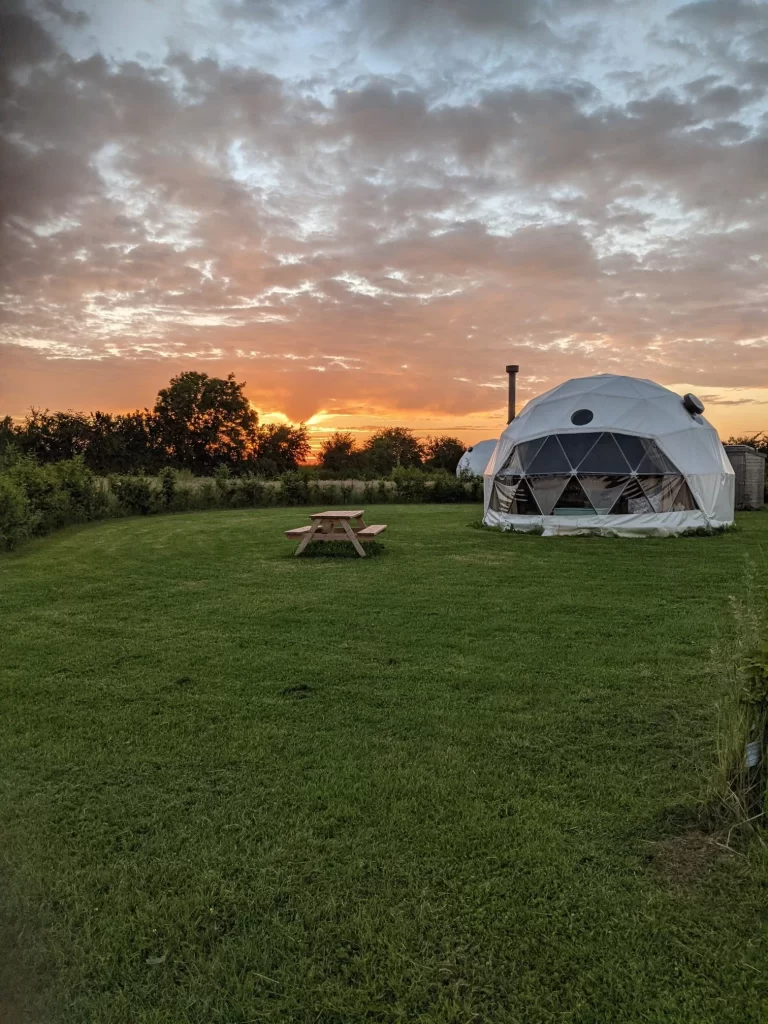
475 459
628 405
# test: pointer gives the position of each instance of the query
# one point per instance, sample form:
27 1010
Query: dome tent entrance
611 455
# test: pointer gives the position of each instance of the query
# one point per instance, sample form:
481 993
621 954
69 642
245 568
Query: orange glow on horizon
429 403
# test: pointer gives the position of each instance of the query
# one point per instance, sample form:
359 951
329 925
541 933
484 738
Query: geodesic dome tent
475 459
611 455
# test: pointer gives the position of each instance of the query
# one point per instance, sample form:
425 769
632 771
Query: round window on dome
581 417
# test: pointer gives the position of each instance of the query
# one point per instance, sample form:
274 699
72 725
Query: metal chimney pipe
512 371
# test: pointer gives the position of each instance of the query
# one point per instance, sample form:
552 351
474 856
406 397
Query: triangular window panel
550 458
603 491
633 448
577 446
546 491
504 493
513 465
684 501
655 461
573 500
525 503
661 490
634 490
527 451
513 497
605 458
632 501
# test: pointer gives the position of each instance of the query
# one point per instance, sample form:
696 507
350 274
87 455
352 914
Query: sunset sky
366 208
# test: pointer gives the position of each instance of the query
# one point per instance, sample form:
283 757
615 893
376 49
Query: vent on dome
693 404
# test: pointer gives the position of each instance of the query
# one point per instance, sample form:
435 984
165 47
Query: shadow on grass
339 549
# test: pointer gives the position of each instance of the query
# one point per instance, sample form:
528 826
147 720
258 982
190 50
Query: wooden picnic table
338 526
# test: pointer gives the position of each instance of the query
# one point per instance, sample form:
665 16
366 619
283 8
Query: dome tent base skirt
657 524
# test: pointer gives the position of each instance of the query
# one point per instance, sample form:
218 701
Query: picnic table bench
337 526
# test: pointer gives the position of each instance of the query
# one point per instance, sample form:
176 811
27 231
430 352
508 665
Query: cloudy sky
366 208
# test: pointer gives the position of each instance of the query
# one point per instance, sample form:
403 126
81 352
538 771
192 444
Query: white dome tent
609 455
475 459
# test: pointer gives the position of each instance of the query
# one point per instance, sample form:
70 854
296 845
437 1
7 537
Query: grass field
453 783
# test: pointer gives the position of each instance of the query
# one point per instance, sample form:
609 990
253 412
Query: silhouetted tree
125 443
391 447
53 436
281 447
339 453
443 453
8 434
206 421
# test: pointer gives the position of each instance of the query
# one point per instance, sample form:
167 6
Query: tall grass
737 793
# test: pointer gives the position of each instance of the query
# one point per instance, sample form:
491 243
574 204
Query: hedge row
36 499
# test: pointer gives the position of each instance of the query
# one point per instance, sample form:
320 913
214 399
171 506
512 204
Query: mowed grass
453 783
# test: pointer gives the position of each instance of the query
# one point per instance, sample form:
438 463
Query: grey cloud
722 100
73 18
383 117
719 400
25 41
395 18
757 70
721 14
275 12
398 17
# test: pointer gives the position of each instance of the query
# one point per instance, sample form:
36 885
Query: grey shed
749 467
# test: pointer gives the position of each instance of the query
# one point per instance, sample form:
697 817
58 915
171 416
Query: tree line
205 424
758 441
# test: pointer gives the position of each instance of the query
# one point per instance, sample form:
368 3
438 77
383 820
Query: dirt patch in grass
684 860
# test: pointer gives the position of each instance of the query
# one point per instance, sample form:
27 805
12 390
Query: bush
52 495
226 485
410 484
167 489
208 495
48 502
16 517
294 488
370 493
447 488
136 495
86 498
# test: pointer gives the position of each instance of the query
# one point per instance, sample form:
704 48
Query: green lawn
452 783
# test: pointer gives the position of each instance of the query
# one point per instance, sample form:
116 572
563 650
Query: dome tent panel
662 491
550 458
547 490
655 461
640 462
603 491
633 448
605 456
578 446
514 497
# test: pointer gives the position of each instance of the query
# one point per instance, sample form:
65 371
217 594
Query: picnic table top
337 515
